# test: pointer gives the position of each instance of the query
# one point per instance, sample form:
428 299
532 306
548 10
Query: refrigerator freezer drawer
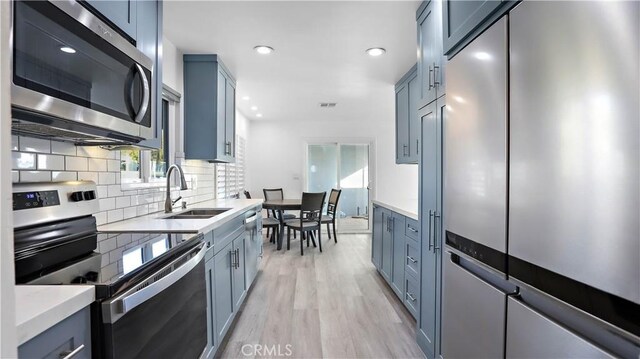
574 145
532 335
473 315
475 131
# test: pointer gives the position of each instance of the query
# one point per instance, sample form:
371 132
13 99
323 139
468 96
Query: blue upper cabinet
463 20
209 109
407 97
431 61
121 13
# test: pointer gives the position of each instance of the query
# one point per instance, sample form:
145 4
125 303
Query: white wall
7 295
276 154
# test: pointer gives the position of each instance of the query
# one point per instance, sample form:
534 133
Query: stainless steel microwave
75 79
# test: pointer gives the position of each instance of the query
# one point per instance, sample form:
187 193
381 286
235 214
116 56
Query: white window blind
230 176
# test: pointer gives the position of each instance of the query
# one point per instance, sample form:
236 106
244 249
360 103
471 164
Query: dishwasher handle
154 283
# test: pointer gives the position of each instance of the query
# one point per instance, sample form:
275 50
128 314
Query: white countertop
39 307
157 223
407 208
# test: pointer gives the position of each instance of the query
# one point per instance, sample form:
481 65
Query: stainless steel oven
75 79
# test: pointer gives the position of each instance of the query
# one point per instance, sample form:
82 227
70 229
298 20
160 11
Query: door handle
413 260
435 68
237 258
232 254
411 297
417 146
435 231
146 94
412 229
70 354
430 216
404 150
430 72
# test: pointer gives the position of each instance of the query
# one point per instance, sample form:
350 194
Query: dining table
281 205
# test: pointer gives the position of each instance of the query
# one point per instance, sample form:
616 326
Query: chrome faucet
168 203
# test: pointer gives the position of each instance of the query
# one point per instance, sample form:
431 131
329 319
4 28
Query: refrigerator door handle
430 216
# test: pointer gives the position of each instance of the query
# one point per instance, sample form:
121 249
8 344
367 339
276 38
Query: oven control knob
77 196
89 195
92 276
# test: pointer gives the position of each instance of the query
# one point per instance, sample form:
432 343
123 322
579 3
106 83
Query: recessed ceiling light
258 115
246 98
263 50
376 51
254 108
67 49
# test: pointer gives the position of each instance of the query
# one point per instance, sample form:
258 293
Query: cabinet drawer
412 295
412 229
71 334
412 258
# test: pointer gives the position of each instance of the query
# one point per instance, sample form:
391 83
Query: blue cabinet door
239 275
387 246
414 120
431 224
402 123
376 237
121 13
209 109
431 61
398 266
223 290
463 20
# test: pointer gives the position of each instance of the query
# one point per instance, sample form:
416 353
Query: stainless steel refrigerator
542 185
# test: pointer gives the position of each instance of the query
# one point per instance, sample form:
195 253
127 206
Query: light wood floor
332 304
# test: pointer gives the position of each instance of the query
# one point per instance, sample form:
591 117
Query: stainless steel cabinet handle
417 146
435 231
412 229
146 94
404 150
232 254
411 297
435 68
70 354
430 72
391 222
413 260
430 216
237 258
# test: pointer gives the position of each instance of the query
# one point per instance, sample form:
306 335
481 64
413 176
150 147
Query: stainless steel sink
200 213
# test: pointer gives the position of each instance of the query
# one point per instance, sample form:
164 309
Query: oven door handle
143 292
146 94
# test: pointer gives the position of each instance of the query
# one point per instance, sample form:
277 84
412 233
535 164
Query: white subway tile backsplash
76 163
88 176
23 160
106 178
50 162
64 176
97 164
107 204
35 176
42 160
63 148
102 191
114 190
113 165
122 202
115 215
32 144
129 212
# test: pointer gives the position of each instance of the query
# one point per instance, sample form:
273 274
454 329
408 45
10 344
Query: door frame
344 141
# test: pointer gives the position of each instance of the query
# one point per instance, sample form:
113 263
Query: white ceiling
319 52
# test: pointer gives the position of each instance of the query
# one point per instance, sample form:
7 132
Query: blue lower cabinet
398 266
223 290
239 275
72 335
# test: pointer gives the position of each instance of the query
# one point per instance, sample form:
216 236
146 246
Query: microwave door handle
146 93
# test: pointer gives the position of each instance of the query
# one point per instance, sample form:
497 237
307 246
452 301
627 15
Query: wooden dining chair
330 217
309 220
